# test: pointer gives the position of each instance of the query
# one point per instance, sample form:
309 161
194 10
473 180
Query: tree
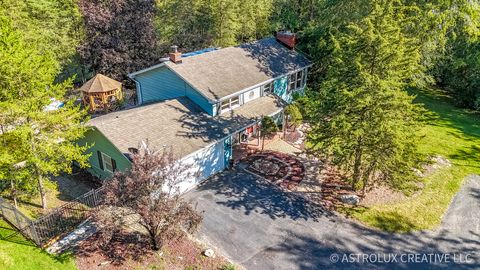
362 118
268 128
42 141
293 115
54 25
149 191
458 71
197 24
120 36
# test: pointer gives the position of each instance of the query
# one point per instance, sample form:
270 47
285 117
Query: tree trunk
356 166
153 239
14 194
263 141
43 194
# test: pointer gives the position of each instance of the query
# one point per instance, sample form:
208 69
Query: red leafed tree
147 197
120 36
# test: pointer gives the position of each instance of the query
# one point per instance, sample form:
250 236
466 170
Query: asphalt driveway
261 227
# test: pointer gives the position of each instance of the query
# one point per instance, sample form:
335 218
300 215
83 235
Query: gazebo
100 92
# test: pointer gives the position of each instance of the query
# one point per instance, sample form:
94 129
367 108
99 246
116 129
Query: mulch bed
133 251
283 169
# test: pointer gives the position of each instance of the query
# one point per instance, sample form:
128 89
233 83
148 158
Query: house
200 104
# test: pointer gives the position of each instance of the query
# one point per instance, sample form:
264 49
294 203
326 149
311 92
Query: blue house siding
162 84
200 100
280 87
159 84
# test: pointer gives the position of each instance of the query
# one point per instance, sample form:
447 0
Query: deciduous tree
149 194
120 36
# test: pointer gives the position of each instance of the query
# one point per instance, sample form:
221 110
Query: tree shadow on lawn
240 190
441 112
470 154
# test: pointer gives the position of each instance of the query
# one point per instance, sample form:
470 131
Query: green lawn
18 253
452 133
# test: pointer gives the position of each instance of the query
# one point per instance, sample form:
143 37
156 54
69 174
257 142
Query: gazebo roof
100 83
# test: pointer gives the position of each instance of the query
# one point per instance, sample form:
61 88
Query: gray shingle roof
223 72
179 123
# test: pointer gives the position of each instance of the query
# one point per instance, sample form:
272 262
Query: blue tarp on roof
199 52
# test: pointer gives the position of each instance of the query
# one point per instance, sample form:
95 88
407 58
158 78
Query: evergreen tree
294 116
54 25
36 143
362 118
268 128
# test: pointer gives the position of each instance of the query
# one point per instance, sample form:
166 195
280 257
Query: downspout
139 89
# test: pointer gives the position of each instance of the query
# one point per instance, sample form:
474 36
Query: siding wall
256 93
280 87
159 84
200 100
100 143
162 83
202 164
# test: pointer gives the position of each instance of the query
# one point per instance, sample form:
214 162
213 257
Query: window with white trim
268 88
297 80
234 102
230 104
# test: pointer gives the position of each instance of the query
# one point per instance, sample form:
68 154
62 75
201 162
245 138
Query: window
268 88
235 102
300 75
106 163
225 105
229 104
297 80
291 82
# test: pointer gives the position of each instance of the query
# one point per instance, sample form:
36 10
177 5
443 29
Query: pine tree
42 141
268 128
362 117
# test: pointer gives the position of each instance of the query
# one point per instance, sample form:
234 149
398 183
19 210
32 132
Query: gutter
262 83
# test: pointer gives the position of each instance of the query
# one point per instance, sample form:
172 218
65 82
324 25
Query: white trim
133 74
262 83
210 100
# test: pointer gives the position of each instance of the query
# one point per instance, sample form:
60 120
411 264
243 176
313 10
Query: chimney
174 55
287 38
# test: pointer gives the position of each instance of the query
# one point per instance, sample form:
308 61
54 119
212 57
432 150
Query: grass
18 253
451 132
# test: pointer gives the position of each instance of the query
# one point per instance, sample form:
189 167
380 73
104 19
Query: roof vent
174 55
287 38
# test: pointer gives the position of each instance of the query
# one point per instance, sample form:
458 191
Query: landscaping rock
350 199
208 253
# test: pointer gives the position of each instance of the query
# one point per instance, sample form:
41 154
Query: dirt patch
381 195
132 251
436 163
